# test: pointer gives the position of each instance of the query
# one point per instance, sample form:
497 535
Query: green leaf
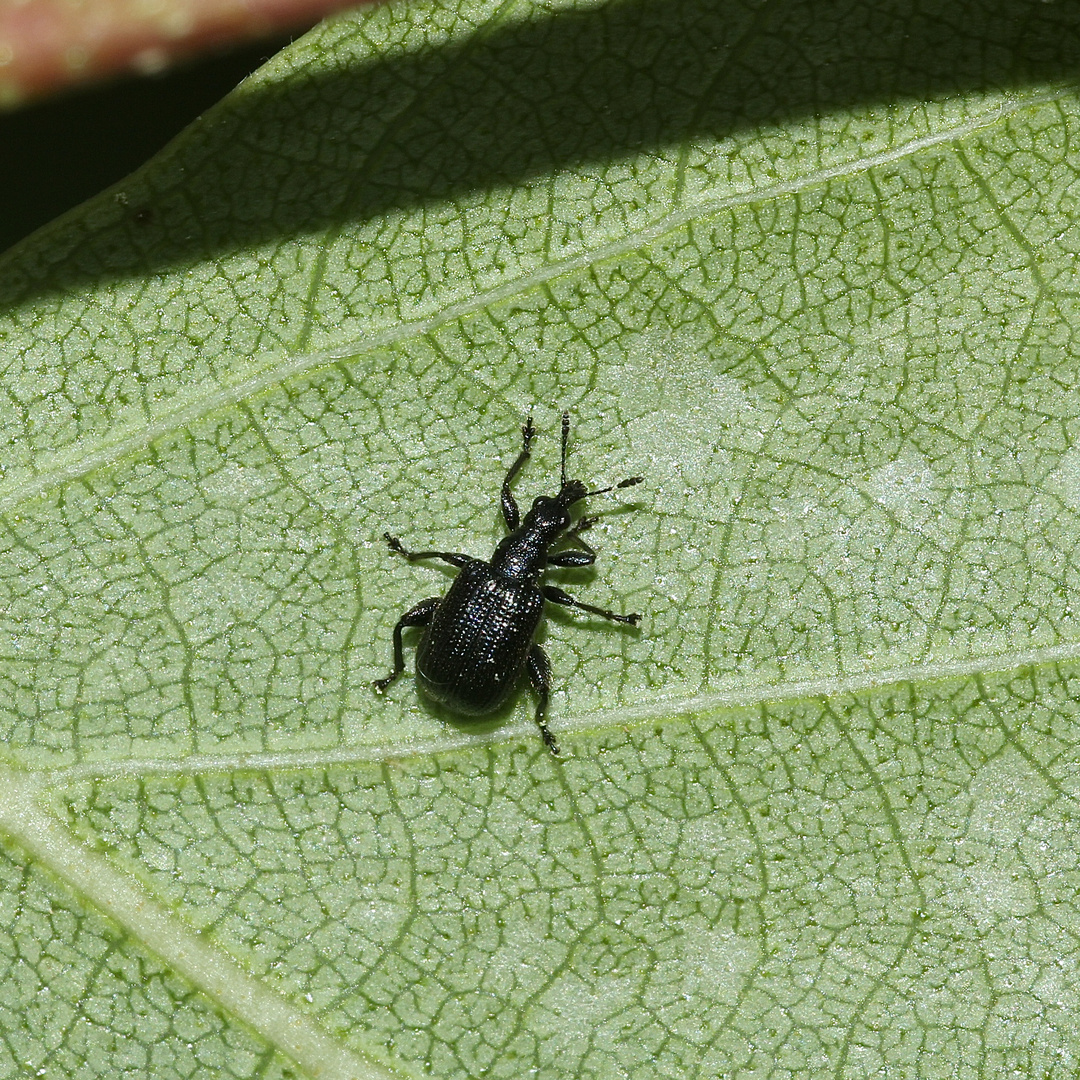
809 267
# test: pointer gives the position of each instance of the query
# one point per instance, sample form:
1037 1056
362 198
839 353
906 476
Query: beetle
479 636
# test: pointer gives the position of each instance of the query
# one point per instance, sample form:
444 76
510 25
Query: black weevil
479 636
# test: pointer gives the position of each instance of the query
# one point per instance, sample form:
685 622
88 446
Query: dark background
60 152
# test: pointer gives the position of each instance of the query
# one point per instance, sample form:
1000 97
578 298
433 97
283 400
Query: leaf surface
811 269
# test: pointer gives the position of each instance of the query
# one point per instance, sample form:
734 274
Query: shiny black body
478 640
479 637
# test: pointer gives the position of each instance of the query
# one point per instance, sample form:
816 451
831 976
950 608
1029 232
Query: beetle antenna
628 482
565 437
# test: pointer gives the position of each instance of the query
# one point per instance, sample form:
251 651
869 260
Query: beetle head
553 513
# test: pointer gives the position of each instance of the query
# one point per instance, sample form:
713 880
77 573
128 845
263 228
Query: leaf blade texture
812 270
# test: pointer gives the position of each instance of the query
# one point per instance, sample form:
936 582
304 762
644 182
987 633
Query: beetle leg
575 534
583 554
540 676
572 557
452 557
509 506
557 596
417 616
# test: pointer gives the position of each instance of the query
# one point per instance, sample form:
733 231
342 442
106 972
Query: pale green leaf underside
815 275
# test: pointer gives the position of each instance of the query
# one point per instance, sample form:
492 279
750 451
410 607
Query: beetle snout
572 491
